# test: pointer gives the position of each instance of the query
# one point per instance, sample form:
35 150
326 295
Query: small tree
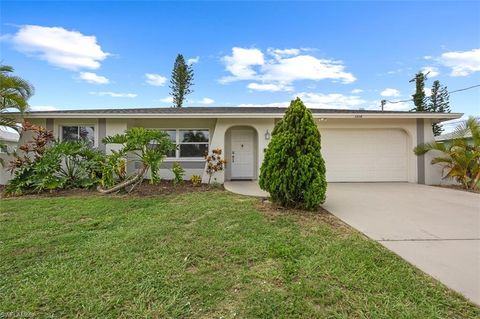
181 81
293 171
439 102
148 146
215 163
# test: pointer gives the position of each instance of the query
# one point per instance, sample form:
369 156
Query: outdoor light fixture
267 135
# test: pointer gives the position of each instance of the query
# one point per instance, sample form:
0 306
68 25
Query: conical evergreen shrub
293 170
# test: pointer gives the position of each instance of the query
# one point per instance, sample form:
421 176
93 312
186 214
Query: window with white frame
79 133
191 143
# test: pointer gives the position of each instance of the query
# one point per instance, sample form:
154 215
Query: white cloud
433 71
270 87
462 63
279 53
357 91
428 91
114 94
240 64
330 101
168 99
59 47
319 101
390 92
42 108
206 101
193 60
155 79
305 67
285 67
91 77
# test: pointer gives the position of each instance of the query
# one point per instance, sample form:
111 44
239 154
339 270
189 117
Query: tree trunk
124 184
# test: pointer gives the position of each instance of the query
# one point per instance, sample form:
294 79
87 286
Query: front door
242 160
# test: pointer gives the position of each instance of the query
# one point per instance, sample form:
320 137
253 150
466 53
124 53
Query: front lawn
204 254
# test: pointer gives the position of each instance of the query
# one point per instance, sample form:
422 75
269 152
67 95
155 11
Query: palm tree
14 94
460 157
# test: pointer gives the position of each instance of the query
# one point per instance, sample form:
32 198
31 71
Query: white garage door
366 155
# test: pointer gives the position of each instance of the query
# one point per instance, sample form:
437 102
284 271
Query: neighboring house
448 137
357 145
8 144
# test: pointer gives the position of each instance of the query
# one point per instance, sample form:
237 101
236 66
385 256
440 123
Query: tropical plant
196 180
460 158
147 146
293 170
45 164
178 173
14 94
181 81
215 163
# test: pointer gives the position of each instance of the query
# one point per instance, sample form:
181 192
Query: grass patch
203 255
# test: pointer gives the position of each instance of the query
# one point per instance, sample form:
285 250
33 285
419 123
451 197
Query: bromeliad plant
146 146
460 158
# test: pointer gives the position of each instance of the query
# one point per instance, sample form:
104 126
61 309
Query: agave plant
459 157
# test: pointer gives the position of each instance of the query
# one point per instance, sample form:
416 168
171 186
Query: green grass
202 255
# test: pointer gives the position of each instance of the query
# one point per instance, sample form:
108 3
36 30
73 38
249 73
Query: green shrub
178 173
196 180
293 170
45 164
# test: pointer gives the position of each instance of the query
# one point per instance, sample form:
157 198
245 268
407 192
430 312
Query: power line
454 91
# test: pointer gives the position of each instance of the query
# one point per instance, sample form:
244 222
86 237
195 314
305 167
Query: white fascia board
440 116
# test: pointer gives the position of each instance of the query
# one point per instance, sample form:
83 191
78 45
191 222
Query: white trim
407 115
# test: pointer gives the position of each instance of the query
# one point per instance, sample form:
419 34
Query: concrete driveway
435 229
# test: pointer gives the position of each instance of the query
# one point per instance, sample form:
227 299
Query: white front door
242 157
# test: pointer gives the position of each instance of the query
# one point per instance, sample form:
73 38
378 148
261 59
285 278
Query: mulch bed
165 187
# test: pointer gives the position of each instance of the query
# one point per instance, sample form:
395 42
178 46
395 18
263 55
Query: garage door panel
367 155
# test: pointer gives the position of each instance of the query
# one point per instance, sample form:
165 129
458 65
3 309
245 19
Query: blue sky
332 54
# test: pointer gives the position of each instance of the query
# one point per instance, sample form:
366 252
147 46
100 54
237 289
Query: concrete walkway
433 228
249 188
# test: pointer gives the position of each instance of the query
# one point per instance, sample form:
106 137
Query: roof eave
408 115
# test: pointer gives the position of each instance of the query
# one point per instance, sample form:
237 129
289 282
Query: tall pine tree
293 170
181 81
419 98
439 101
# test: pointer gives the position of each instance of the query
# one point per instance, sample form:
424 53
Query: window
79 133
173 138
3 149
191 143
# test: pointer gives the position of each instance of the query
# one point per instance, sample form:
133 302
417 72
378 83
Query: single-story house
357 145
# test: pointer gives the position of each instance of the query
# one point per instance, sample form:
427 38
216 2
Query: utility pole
382 104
